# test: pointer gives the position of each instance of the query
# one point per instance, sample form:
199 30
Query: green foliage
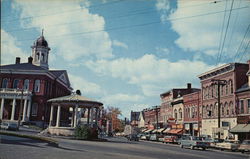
86 133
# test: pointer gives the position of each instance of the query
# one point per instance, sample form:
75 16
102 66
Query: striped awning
166 130
149 130
160 130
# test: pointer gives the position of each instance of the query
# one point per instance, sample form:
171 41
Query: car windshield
196 138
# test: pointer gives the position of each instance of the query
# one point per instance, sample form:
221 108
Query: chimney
18 59
189 86
30 59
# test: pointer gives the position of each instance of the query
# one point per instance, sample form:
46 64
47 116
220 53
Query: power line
226 32
222 31
242 42
60 12
72 10
138 25
245 50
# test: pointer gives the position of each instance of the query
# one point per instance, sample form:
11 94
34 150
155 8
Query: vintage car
232 145
193 142
170 139
244 146
132 137
9 126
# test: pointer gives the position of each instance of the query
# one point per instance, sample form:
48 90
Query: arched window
15 83
26 84
175 114
207 109
231 86
227 109
5 83
180 113
215 110
43 57
212 87
226 89
222 109
212 112
37 86
231 106
188 113
37 56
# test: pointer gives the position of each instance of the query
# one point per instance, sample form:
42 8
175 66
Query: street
117 147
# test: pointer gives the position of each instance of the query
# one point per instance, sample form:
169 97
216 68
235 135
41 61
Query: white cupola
40 52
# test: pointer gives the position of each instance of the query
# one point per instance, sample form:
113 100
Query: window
231 106
231 86
26 84
42 57
222 109
37 86
175 114
180 113
37 55
5 83
242 106
15 83
226 88
248 105
34 109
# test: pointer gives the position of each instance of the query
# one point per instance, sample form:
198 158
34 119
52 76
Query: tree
112 113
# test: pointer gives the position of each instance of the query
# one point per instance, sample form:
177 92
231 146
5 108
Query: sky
125 53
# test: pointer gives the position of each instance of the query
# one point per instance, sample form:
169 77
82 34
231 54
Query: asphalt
117 147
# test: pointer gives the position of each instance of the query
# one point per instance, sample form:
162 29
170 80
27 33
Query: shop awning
143 130
160 130
166 130
241 128
154 131
148 131
174 131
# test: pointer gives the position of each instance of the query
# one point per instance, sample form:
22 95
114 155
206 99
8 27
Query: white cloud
121 98
119 44
10 50
85 42
164 51
151 74
164 7
202 33
86 87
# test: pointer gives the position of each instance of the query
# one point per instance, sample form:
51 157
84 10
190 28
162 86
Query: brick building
151 115
166 111
32 83
234 75
192 113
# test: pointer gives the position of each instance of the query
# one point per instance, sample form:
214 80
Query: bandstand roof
74 99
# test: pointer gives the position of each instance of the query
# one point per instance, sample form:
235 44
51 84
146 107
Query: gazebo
79 105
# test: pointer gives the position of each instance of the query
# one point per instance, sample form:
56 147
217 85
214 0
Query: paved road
21 148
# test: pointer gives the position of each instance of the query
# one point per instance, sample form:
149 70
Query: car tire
203 148
181 146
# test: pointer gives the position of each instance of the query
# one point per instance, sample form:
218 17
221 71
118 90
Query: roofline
215 69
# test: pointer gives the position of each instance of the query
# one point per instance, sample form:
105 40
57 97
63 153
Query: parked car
212 142
9 126
244 146
232 145
170 139
193 142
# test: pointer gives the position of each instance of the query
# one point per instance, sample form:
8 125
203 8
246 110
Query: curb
50 141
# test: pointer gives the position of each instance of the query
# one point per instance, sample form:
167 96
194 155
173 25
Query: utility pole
156 110
21 107
218 83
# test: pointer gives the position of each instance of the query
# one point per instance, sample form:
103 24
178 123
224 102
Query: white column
92 116
24 110
51 115
76 116
1 109
28 111
13 109
58 116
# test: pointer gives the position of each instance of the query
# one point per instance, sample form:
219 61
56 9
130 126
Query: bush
85 133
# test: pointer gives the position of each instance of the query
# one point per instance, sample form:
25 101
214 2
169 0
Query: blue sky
125 53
